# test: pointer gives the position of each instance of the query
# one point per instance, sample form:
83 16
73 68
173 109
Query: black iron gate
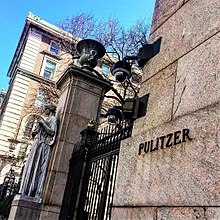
93 166
9 186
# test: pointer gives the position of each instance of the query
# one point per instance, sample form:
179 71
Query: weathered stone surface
180 213
198 78
82 105
161 91
21 210
51 216
183 180
62 102
81 96
85 97
50 213
57 191
133 213
163 10
191 25
63 154
212 213
70 133
182 175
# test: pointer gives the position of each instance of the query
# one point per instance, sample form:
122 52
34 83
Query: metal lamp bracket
135 108
147 52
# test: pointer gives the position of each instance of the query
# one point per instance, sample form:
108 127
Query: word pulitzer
165 141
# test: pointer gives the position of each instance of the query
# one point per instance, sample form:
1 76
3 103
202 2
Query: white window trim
47 58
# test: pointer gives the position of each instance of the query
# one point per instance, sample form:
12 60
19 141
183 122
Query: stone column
81 97
174 177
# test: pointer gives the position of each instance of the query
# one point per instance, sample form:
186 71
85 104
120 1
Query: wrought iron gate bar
10 186
109 142
92 174
104 155
111 190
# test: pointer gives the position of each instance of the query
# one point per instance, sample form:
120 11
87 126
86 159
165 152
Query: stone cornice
34 76
76 72
45 52
49 27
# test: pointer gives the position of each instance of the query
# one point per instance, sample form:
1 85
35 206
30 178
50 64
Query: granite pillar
169 169
82 93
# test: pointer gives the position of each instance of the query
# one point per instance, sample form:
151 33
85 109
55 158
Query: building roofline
50 27
34 20
18 48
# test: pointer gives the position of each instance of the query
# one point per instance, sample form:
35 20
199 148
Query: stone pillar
176 178
81 97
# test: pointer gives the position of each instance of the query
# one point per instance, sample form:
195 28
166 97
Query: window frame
48 59
55 49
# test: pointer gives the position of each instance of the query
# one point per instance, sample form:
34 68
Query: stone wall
181 181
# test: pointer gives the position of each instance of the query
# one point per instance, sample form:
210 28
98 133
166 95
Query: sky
14 12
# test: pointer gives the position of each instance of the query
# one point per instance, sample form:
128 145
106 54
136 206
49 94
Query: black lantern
121 70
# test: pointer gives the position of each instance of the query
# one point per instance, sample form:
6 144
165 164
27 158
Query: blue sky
14 12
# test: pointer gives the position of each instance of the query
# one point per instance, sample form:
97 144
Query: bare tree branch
115 38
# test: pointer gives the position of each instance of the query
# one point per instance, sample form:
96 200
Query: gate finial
92 124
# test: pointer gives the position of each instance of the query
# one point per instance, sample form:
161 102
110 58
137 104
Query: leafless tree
40 95
116 39
49 94
80 26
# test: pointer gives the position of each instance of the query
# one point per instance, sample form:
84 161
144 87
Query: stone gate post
81 98
82 93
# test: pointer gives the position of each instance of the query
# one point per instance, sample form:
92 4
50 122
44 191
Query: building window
41 98
49 69
105 70
54 48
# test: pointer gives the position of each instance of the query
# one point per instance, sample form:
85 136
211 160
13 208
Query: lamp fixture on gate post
121 70
131 108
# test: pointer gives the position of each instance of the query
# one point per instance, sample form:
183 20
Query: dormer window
54 47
